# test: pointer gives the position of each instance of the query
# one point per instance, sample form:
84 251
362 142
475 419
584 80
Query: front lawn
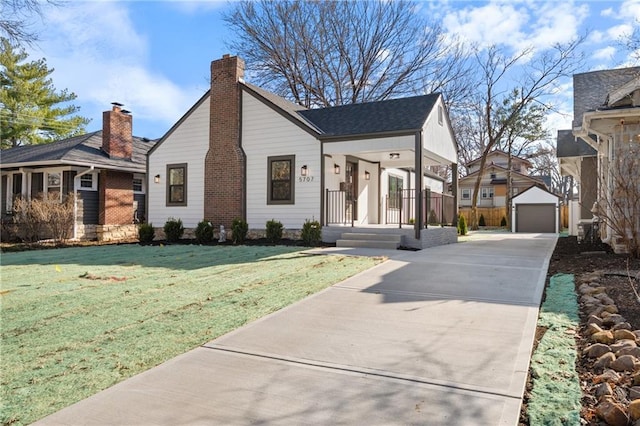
78 320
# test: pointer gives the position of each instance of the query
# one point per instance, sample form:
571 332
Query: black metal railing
340 208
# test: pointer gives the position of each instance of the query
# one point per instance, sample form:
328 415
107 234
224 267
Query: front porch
429 237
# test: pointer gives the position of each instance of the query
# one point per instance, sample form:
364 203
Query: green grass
556 393
78 320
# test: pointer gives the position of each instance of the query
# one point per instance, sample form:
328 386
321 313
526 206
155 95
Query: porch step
366 240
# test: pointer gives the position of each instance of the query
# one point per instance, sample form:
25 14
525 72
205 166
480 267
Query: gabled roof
502 153
591 90
85 150
569 146
500 168
536 187
389 116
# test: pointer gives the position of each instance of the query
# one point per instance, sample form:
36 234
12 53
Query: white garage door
536 218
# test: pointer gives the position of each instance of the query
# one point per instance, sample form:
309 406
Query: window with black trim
177 184
487 192
87 182
280 179
466 194
138 184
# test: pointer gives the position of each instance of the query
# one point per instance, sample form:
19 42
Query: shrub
33 217
173 230
146 233
462 225
503 221
239 230
274 231
481 221
433 219
204 232
311 232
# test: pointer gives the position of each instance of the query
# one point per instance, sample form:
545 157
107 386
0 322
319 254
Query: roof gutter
140 169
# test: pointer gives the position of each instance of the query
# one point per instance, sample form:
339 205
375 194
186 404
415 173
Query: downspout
419 222
76 179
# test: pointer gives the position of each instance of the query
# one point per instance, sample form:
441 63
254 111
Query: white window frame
137 176
94 182
466 193
46 182
487 193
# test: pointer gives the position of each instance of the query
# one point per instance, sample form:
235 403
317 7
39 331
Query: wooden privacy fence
492 215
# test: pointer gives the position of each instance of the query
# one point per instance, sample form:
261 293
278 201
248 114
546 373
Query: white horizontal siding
189 144
438 139
266 133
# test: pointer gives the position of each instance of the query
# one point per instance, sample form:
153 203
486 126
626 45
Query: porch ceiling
383 157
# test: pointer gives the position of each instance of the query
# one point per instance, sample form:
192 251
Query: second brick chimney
117 139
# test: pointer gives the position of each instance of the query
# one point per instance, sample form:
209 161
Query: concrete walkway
436 337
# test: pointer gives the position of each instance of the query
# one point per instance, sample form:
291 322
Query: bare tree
16 19
325 53
539 74
619 195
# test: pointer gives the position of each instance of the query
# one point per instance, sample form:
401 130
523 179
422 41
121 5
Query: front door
351 188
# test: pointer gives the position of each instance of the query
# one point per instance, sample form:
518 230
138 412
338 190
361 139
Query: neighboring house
578 159
493 186
106 170
607 119
242 152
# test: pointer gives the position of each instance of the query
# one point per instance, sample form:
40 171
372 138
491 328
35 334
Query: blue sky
154 56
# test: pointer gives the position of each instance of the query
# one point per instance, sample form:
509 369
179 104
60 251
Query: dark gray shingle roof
591 89
393 115
84 149
569 146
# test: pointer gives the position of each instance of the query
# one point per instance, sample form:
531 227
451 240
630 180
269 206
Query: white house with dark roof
106 170
606 133
242 152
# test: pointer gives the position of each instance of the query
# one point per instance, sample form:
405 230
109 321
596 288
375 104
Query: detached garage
535 210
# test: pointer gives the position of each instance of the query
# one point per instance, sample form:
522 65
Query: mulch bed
571 257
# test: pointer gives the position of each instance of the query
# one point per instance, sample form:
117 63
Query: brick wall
225 161
117 140
116 198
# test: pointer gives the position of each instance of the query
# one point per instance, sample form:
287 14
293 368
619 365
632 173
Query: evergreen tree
31 110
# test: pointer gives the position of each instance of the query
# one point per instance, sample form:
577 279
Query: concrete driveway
437 337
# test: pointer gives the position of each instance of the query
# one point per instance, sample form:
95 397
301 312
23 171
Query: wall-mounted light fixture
336 169
156 179
304 170
367 176
394 155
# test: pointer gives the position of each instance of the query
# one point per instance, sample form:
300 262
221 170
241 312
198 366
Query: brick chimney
224 180
117 140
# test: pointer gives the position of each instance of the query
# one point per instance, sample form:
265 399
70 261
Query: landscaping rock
605 361
634 409
593 328
607 376
605 337
621 344
633 351
597 350
624 363
634 393
622 326
594 320
635 379
587 299
603 389
613 319
624 335
612 413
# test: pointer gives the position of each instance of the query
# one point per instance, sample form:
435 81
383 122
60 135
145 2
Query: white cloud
98 54
619 31
630 10
487 25
191 7
607 12
606 53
